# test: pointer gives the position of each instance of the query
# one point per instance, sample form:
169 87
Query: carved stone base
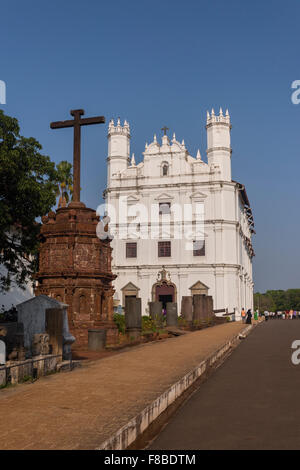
75 268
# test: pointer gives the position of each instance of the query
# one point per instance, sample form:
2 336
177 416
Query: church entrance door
165 293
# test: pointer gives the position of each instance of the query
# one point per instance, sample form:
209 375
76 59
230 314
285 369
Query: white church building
177 213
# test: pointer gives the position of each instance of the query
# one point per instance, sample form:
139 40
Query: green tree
65 183
278 300
28 185
263 302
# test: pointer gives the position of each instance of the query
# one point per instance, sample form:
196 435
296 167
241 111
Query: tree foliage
65 183
277 300
28 186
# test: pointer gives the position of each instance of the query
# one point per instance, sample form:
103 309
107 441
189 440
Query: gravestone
54 328
40 344
200 309
187 308
97 340
2 353
172 314
210 307
32 314
203 309
133 317
156 315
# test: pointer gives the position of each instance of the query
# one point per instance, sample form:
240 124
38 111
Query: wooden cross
77 122
165 129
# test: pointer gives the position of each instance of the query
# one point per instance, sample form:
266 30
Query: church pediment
132 199
130 287
199 286
163 197
198 196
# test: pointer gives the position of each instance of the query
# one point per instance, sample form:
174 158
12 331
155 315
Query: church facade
178 216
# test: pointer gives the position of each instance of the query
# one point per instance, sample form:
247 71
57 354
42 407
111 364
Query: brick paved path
79 410
250 402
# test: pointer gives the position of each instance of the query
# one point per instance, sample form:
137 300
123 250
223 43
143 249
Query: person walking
249 317
243 315
266 313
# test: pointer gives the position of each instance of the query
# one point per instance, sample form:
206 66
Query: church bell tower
118 148
218 142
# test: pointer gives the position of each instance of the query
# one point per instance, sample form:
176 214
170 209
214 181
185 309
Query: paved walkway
79 410
250 402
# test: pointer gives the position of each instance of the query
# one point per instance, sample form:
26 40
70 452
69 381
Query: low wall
19 371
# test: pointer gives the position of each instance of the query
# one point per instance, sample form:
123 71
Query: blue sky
167 62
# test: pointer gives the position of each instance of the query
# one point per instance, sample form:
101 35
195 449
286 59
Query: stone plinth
75 268
133 317
187 308
203 309
172 315
155 310
97 340
54 328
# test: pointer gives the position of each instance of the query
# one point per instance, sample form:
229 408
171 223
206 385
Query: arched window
165 169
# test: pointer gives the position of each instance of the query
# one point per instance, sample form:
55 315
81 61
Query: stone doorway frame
129 290
199 288
159 284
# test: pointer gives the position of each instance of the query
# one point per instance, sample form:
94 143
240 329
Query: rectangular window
199 247
131 250
164 249
164 208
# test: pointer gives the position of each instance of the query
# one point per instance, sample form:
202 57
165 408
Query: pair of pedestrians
246 317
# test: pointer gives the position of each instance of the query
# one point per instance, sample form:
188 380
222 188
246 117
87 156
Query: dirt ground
82 408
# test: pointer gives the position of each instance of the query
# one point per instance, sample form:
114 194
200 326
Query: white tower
118 148
218 142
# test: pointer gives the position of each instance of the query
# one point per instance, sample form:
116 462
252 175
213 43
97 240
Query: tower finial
198 155
165 129
132 160
227 116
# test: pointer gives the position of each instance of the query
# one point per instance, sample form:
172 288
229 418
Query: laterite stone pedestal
75 268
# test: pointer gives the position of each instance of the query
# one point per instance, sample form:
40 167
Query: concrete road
252 401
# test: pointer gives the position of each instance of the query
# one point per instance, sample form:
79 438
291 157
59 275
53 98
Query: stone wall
19 371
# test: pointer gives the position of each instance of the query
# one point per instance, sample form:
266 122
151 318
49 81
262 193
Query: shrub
182 321
120 322
148 324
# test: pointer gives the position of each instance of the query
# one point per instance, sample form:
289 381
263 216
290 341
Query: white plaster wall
226 264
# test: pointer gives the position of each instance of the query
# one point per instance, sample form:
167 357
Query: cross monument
77 122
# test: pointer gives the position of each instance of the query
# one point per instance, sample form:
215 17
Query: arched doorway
164 290
164 293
